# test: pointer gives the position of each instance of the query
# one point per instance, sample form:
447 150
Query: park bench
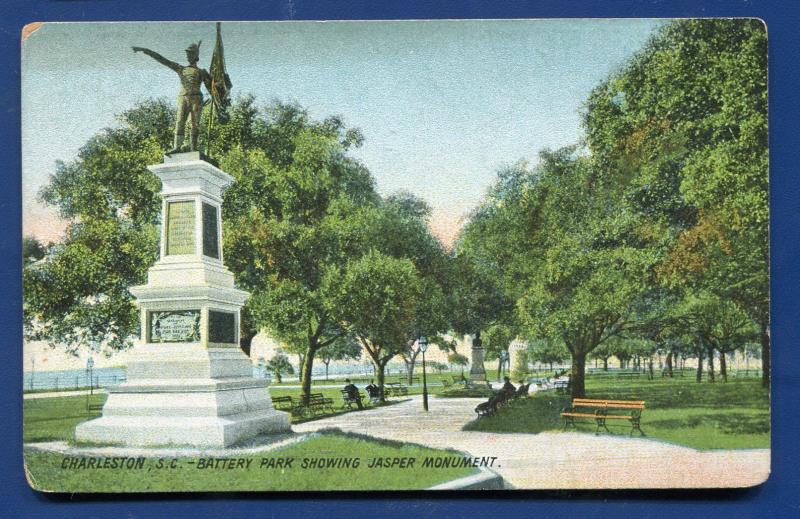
414 380
319 403
498 400
395 389
604 410
94 408
287 403
561 386
348 403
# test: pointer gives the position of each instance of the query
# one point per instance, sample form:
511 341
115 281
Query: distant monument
477 373
189 383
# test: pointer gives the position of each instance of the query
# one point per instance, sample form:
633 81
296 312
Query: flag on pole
220 81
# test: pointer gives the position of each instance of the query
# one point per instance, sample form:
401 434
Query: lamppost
423 345
89 366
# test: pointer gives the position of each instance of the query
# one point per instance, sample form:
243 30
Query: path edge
484 480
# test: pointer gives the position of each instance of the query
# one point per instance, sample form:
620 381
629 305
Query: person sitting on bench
508 387
522 390
373 391
352 393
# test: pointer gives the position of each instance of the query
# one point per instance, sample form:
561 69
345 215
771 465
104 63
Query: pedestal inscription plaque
180 227
221 327
210 230
181 326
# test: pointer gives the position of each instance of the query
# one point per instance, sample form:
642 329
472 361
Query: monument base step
202 431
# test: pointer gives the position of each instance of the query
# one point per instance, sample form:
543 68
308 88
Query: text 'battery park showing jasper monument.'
189 383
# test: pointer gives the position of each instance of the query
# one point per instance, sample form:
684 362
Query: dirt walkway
556 460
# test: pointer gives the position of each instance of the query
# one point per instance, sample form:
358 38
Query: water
71 379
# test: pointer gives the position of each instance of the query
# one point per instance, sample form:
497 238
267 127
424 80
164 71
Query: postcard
395 255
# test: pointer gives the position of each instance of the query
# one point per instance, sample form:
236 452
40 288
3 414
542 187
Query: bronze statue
190 98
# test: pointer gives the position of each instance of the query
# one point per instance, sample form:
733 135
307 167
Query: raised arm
158 57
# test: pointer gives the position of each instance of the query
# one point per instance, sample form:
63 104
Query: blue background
779 497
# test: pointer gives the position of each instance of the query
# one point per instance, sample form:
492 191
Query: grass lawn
732 415
259 471
47 419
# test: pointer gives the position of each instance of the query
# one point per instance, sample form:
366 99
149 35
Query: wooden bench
630 410
287 403
414 380
562 386
395 389
348 403
319 403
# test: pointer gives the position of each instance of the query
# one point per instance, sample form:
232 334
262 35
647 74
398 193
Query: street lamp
89 366
423 345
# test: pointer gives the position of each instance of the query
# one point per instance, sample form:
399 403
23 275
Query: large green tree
374 298
683 126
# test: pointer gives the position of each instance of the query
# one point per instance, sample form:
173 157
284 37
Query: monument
477 373
188 383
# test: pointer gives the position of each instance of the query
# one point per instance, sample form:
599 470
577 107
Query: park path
554 459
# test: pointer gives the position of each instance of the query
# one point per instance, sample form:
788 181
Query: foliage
684 128
374 299
32 249
278 365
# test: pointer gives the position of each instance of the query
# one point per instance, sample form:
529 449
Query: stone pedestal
477 373
188 382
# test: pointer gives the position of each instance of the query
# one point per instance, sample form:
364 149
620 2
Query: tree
374 298
32 249
278 365
458 360
496 340
78 298
344 348
547 351
684 127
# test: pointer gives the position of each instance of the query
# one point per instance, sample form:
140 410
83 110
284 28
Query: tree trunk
723 367
410 368
765 354
650 367
699 376
305 374
499 368
380 373
711 364
668 364
605 363
326 369
577 379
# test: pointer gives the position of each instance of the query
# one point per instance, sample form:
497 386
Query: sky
443 105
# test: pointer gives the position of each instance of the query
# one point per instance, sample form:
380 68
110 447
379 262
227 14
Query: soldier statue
190 98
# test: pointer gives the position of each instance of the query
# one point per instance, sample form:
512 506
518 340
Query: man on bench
352 393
